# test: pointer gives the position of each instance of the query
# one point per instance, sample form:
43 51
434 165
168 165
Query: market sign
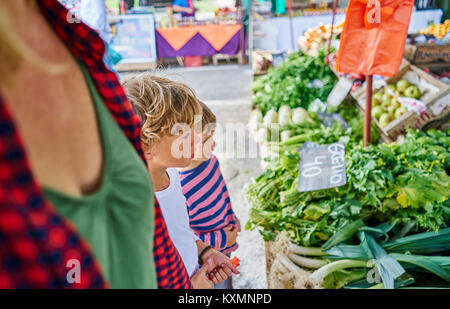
339 92
321 167
374 36
133 37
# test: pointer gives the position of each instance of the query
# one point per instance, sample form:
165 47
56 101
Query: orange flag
374 36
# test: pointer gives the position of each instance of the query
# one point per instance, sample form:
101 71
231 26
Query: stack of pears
386 108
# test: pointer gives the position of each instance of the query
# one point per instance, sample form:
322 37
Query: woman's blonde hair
13 51
160 104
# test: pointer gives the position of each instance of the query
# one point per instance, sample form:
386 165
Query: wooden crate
269 258
437 105
427 53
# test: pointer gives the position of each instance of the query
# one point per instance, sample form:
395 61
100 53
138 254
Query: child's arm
218 239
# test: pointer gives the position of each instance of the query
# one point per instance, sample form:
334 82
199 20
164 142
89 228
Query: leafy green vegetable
406 183
290 83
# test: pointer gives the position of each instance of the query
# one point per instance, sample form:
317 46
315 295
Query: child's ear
148 156
148 152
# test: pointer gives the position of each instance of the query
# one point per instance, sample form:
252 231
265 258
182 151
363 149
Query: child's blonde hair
160 104
208 117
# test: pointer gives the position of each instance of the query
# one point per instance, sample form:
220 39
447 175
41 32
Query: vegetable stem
286 262
308 251
306 262
318 275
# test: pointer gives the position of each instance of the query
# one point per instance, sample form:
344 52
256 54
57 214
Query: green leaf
427 242
345 233
388 268
423 262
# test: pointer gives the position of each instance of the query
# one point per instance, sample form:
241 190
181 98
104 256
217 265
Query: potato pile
386 107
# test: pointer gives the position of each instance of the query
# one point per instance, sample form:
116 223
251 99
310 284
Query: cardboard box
436 100
427 53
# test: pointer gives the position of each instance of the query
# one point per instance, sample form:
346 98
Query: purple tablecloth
197 46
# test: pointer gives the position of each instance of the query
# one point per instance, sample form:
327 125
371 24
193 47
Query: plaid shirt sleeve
168 261
35 242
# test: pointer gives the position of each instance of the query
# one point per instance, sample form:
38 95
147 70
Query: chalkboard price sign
308 145
321 167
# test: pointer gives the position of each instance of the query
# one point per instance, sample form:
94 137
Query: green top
117 221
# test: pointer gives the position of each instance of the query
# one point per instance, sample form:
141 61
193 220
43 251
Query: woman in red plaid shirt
62 115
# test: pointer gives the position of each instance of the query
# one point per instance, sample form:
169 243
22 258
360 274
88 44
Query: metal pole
368 111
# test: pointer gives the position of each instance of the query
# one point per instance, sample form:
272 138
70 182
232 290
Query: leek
307 262
318 276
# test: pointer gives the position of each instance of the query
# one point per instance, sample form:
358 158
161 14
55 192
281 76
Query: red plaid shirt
35 242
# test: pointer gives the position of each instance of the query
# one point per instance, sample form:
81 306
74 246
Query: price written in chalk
322 167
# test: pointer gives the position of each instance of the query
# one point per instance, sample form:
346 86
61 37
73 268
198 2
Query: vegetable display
438 31
392 191
406 182
387 227
296 82
375 261
385 103
315 38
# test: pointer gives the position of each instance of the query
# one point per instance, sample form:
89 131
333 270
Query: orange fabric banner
216 35
177 37
374 36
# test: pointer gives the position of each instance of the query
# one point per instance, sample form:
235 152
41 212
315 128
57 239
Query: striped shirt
208 203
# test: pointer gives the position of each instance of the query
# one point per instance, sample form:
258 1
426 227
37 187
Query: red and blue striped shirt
208 203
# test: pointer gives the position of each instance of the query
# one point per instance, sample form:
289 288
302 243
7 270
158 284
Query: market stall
273 28
203 40
278 32
206 34
337 214
308 232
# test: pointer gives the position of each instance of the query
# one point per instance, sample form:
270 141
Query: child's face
173 150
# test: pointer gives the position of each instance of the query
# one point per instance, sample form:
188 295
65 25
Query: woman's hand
220 267
200 280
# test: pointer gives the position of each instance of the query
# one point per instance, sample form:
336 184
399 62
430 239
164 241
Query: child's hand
200 280
231 232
